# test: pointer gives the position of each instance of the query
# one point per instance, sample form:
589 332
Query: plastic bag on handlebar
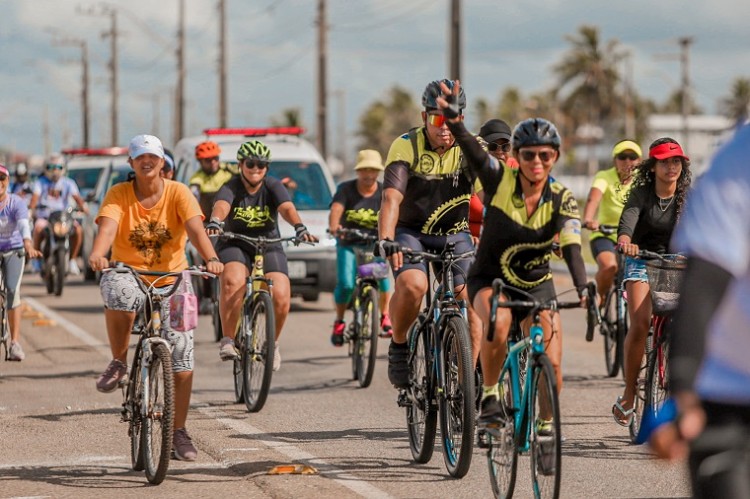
183 306
378 270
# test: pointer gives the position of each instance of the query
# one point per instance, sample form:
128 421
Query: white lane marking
345 479
70 327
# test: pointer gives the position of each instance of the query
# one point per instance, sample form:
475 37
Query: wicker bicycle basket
664 278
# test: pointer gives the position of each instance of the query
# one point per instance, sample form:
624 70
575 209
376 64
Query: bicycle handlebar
356 235
259 240
608 230
444 256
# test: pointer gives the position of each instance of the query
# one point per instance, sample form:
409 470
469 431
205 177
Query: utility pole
179 122
322 90
455 40
686 97
85 115
222 64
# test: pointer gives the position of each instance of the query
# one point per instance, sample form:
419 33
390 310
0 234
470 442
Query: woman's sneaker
116 374
16 352
182 446
227 350
337 336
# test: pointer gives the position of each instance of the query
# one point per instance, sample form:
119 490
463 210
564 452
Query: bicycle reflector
256 132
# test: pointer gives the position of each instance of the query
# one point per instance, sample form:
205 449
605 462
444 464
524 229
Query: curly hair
644 177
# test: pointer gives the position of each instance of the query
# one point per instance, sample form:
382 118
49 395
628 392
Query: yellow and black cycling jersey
518 247
436 188
205 186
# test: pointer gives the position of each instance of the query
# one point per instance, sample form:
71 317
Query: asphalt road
61 438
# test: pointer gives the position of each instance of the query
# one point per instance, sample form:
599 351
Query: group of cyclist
431 174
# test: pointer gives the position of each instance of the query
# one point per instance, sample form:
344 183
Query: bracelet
213 259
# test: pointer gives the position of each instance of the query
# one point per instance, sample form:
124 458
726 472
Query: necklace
663 207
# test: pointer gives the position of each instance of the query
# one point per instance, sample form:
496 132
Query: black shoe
398 365
491 412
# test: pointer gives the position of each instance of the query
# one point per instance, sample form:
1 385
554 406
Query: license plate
297 269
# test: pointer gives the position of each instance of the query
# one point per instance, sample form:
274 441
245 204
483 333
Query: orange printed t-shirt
150 239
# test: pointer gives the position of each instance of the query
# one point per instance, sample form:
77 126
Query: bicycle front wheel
240 340
158 420
609 327
502 456
4 327
544 436
421 414
257 357
457 410
365 348
656 380
134 401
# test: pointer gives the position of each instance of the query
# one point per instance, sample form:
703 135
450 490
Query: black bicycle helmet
433 91
535 132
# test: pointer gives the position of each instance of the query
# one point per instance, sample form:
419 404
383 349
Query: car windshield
305 182
119 174
86 178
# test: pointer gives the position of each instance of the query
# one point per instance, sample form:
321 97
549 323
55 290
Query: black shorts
273 261
602 244
422 242
543 292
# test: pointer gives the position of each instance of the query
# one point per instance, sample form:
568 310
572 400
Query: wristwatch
214 259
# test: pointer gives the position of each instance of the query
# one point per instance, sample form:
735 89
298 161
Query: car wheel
310 296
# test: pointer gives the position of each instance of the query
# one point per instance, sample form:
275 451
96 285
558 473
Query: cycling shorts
274 259
13 263
544 291
602 244
421 242
120 291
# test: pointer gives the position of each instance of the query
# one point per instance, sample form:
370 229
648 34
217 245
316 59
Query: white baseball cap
145 144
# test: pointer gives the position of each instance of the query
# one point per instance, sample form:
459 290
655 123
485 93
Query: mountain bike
441 371
528 388
614 316
256 330
665 274
148 405
362 332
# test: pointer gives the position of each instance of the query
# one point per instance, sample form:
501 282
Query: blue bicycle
528 387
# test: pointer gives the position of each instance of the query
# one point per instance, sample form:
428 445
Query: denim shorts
635 270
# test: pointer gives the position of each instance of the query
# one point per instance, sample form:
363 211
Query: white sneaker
276 358
73 268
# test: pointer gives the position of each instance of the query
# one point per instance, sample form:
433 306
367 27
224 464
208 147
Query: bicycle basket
378 270
664 278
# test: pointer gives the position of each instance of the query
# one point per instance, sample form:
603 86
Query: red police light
256 132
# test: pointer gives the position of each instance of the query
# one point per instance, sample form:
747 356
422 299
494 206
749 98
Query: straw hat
369 158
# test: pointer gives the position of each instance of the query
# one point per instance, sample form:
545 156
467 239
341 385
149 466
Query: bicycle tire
639 402
134 394
4 327
657 378
456 405
502 455
60 266
421 413
610 333
366 338
257 359
623 323
215 314
545 448
158 426
239 345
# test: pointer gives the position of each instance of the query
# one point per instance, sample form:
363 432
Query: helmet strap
246 181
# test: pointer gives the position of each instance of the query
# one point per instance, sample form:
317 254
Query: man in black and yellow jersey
425 205
525 209
207 181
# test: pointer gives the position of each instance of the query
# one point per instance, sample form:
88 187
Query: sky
373 45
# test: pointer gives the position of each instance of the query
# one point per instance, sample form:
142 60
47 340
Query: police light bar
104 151
256 132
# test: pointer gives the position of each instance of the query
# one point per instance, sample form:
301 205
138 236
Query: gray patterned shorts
120 291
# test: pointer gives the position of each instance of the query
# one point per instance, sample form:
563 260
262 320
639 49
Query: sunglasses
544 156
494 146
260 165
438 120
3 178
54 167
623 156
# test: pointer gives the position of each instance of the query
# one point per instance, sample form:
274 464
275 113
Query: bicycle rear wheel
544 435
421 413
456 405
240 341
158 423
134 400
623 323
608 327
365 348
257 358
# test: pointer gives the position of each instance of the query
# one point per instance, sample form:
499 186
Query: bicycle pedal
483 442
403 399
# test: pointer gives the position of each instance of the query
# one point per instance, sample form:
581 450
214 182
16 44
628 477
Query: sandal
627 415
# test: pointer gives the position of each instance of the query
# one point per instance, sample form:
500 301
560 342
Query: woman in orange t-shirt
145 221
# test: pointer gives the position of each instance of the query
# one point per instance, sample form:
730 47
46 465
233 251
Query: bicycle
362 332
148 393
441 371
256 330
528 387
614 316
4 310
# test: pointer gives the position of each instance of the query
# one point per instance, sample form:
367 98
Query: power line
362 27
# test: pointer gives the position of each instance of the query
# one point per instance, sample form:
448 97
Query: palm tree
737 105
291 116
512 107
384 120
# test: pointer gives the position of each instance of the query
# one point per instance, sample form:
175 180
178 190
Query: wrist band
213 259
